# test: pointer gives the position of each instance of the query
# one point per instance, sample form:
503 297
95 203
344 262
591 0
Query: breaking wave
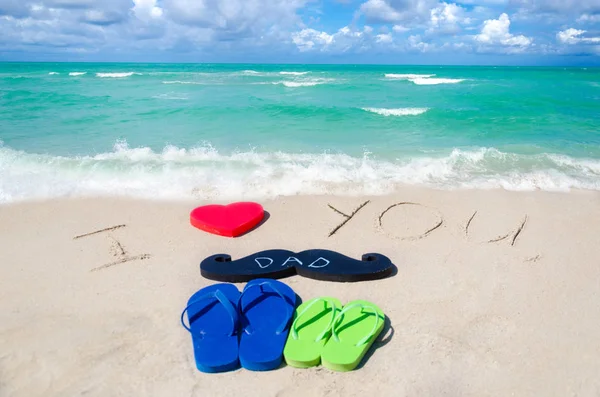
203 172
397 112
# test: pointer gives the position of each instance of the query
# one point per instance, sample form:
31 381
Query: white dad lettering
292 258
327 261
261 265
264 262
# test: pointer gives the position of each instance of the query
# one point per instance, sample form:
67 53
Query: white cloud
384 38
570 36
147 8
573 36
415 43
342 41
217 27
557 6
484 2
409 11
587 18
307 39
380 10
229 26
496 32
447 18
400 29
236 18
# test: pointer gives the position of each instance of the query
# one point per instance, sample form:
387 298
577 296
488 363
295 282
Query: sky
511 32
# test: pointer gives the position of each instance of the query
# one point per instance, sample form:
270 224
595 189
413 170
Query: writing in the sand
117 249
264 262
509 235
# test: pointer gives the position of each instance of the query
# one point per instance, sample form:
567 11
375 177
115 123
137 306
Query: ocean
223 131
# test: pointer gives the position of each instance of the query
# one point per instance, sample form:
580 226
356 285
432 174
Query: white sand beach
501 298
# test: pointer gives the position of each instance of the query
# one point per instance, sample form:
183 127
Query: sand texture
497 294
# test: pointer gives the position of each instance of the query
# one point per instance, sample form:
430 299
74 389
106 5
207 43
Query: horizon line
310 63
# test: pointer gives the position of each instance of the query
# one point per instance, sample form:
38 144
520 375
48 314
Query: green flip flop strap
311 304
340 316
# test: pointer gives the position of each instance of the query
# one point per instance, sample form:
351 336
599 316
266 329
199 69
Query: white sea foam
408 76
171 96
422 79
293 73
53 73
182 82
303 83
430 81
397 112
204 173
77 73
117 75
293 84
250 73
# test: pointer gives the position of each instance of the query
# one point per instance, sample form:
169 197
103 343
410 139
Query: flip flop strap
311 304
220 297
289 313
341 316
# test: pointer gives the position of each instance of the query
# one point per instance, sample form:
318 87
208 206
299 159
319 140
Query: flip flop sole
215 347
358 323
304 350
261 348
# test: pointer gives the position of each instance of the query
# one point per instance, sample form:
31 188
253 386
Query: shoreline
495 294
400 189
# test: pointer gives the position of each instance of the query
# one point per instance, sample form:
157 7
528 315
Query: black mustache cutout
317 264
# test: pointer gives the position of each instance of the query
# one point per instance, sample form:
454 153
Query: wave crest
293 73
430 81
397 112
117 74
203 172
407 76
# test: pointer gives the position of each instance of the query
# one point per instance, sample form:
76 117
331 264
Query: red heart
227 220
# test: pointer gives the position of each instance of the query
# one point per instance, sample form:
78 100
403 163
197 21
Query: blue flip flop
214 324
266 308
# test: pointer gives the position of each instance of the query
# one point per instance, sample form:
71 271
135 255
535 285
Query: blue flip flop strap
311 304
341 316
217 294
289 313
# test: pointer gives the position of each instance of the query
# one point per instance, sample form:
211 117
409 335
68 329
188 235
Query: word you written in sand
438 221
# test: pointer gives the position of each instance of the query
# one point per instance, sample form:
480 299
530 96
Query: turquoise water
250 131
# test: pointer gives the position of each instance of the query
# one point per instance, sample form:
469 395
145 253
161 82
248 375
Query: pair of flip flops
229 327
337 336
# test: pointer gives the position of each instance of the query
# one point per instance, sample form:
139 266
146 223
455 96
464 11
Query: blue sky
303 31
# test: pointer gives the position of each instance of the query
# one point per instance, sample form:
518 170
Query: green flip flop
354 330
310 331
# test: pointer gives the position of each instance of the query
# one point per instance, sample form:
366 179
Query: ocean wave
293 84
205 173
431 81
170 97
408 76
182 82
397 112
117 75
293 73
422 79
81 74
53 73
303 83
